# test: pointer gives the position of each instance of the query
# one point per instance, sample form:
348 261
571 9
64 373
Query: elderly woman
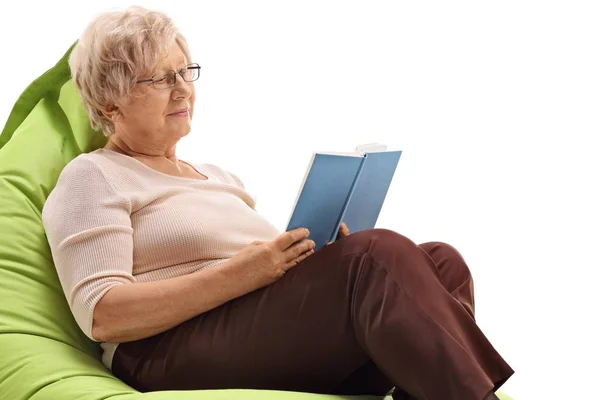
186 286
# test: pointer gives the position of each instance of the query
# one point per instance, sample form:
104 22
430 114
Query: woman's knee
441 247
381 242
447 258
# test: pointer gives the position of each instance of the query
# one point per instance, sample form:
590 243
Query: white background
495 105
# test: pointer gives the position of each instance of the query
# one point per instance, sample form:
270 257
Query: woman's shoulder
113 168
82 181
85 168
88 173
81 167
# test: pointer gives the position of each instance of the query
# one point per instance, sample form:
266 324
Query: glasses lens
165 81
191 73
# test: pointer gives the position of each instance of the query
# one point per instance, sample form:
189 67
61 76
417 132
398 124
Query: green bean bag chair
43 353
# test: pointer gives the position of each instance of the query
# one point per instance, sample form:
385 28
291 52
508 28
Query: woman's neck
146 152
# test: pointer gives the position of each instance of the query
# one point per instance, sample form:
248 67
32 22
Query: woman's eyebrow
181 64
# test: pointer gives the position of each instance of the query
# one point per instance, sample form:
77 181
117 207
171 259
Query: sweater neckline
209 178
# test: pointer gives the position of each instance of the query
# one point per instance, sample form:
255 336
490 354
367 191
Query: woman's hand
342 233
262 263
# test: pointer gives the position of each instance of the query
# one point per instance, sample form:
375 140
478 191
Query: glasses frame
174 74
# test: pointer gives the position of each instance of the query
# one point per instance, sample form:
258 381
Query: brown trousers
370 312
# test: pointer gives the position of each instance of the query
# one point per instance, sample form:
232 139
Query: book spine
341 217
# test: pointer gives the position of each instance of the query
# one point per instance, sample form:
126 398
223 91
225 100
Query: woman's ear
111 112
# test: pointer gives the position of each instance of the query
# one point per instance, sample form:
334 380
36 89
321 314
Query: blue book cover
343 187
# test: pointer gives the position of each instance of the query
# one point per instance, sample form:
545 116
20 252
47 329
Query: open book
343 187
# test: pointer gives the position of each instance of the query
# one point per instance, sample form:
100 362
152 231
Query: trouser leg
373 296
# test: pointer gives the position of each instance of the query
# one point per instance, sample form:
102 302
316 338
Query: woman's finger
289 238
298 249
298 259
344 229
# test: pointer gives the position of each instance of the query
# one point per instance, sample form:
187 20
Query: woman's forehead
174 60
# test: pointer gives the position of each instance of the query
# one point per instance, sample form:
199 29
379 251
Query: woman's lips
183 113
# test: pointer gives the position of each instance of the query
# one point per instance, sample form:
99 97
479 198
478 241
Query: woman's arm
89 230
138 310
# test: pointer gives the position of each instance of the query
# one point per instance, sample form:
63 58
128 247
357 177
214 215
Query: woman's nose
182 89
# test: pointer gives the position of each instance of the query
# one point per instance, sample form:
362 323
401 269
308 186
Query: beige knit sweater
111 220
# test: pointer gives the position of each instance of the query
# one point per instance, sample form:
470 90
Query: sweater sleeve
89 231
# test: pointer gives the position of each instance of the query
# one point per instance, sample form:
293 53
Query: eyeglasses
189 73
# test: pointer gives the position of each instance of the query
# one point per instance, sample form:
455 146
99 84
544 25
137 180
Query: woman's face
158 118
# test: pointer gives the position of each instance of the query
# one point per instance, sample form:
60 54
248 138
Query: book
343 187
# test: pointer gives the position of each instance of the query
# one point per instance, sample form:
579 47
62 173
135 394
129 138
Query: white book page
341 153
371 148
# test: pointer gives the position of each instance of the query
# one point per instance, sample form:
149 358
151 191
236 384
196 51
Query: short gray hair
115 50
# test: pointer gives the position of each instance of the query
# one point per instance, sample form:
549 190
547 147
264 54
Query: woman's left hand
342 233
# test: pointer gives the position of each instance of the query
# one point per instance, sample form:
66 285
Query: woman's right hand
262 263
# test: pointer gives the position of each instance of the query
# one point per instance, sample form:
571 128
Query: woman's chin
182 129
186 133
180 133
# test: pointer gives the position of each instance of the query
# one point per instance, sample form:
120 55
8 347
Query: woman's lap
300 333
291 335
